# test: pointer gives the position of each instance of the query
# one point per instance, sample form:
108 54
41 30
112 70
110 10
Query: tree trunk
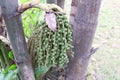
84 15
17 39
61 3
52 1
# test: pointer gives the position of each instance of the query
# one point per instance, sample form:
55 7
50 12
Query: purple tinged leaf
51 21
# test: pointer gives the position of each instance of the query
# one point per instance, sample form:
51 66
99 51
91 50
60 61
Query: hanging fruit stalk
48 47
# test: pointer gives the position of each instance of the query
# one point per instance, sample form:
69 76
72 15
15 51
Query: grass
105 63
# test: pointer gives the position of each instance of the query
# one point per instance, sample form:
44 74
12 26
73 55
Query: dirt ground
105 64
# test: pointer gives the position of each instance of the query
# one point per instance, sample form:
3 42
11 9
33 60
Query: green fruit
50 47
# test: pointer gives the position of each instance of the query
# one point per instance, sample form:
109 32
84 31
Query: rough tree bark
17 39
61 3
84 15
52 1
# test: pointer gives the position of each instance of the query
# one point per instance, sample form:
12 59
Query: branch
45 7
90 53
93 50
28 4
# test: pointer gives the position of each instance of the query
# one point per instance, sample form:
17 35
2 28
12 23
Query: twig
93 50
90 53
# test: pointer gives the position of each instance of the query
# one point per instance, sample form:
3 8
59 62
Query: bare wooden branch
45 7
28 4
93 50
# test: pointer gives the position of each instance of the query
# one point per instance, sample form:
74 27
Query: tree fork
83 18
17 39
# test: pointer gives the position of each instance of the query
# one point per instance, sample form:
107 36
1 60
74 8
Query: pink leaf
51 20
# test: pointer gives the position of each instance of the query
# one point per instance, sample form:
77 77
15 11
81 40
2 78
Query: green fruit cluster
48 48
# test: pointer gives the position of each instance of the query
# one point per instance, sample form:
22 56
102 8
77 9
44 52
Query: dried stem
28 5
